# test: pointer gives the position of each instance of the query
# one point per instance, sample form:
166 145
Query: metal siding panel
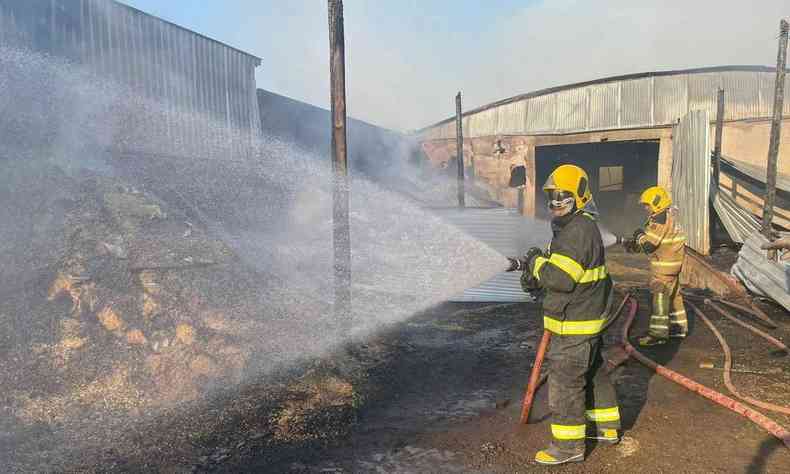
741 95
787 95
671 99
226 88
104 40
113 50
604 106
482 124
636 103
178 62
691 177
572 108
147 48
540 113
212 78
702 91
511 118
137 45
117 15
767 82
449 129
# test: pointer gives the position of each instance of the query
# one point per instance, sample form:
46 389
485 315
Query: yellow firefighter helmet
656 199
568 181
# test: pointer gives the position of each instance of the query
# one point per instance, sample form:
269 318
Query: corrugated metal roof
741 95
655 99
192 95
507 232
691 177
512 118
760 275
756 172
571 110
604 106
671 98
740 223
503 288
187 30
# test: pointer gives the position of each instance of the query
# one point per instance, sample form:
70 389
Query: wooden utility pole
341 228
719 136
459 140
776 130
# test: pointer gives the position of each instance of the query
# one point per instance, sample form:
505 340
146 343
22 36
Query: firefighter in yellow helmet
664 240
576 307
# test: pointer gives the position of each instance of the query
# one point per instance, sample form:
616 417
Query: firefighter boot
553 455
659 321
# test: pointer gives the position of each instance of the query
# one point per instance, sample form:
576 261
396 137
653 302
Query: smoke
138 282
407 59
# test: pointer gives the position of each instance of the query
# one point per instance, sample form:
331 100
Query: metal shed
203 90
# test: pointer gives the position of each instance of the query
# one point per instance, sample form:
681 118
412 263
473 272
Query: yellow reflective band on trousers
570 266
658 263
568 432
603 414
573 328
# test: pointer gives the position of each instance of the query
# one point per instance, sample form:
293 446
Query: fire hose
728 367
752 415
535 380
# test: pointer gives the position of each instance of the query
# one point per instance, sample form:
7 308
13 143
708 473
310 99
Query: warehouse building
628 132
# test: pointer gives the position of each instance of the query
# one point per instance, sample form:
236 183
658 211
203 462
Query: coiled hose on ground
728 366
754 416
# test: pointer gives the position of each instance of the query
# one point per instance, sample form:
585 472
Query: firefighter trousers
580 392
669 311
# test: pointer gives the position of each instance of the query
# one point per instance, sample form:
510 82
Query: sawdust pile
137 312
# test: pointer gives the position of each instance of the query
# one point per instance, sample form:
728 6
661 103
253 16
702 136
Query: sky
406 59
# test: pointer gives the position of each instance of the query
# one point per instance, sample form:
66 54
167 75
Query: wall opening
619 172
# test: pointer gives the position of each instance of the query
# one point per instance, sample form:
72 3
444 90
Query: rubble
762 276
131 312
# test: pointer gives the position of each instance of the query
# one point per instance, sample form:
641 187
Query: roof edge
623 77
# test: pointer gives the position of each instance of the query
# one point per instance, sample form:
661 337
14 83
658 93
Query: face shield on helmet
559 199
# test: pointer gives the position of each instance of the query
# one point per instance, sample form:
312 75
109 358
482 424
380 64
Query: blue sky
407 58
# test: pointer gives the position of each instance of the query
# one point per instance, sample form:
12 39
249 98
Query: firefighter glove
515 264
530 257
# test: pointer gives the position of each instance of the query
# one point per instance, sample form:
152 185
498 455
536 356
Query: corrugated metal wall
691 177
200 93
650 101
505 231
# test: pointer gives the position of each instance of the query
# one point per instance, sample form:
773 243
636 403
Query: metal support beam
459 140
776 130
340 195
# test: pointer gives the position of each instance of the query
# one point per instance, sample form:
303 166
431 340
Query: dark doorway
619 172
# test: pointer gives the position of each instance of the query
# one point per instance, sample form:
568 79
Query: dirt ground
451 401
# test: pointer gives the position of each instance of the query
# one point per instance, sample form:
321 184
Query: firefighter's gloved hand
630 245
529 283
515 264
530 257
638 234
